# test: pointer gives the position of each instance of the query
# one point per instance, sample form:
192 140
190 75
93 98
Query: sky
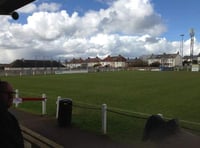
66 29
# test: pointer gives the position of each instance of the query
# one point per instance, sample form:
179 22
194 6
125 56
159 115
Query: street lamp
181 45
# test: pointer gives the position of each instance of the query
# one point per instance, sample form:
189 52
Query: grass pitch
173 94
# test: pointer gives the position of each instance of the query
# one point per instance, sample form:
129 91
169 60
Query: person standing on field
10 132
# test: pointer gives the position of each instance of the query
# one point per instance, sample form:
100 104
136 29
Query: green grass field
173 94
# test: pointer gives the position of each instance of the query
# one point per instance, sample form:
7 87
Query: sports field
173 94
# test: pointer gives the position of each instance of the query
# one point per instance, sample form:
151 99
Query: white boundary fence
104 109
57 106
104 118
17 100
144 116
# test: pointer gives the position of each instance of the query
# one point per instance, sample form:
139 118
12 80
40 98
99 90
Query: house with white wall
114 61
110 61
166 60
92 62
75 63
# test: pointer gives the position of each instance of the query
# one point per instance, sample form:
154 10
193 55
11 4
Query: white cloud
51 7
131 17
127 27
28 8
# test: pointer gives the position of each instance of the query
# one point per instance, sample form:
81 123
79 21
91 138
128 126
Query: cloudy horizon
131 28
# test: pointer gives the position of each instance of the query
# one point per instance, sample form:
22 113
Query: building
114 61
93 62
32 67
75 63
33 64
188 60
166 60
110 61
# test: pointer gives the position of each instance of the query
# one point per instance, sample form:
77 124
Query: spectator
10 132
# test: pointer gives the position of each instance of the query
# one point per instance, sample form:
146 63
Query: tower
191 43
181 45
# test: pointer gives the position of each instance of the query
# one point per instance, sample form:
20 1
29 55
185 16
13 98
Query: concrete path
69 137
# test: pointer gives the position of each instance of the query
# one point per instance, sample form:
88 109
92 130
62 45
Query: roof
35 63
75 61
164 55
93 60
118 58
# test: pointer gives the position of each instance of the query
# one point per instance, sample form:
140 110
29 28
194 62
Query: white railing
17 100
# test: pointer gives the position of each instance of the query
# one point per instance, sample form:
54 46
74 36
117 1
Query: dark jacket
10 132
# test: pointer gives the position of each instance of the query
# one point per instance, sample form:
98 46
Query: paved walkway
72 137
69 137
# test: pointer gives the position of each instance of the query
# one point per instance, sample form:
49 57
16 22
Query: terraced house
110 61
166 60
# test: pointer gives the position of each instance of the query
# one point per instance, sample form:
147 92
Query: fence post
16 96
44 111
104 118
57 108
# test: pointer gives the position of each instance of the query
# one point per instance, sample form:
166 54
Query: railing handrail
36 139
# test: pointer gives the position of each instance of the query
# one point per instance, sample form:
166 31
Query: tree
137 63
155 64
